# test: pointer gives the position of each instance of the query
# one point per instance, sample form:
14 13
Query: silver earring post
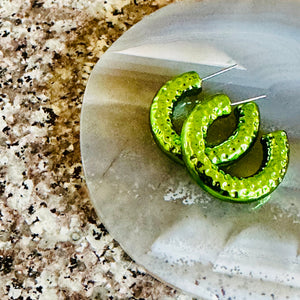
249 100
219 72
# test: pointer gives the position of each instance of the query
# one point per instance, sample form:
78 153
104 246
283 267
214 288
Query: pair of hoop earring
203 162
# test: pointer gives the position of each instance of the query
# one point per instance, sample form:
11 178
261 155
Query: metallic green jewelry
217 182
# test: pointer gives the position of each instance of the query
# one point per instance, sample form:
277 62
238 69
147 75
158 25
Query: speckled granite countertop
52 245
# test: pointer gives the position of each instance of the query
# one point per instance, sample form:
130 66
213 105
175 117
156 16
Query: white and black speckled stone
52 245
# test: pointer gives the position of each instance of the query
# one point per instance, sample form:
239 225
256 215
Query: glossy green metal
162 109
161 113
214 180
242 138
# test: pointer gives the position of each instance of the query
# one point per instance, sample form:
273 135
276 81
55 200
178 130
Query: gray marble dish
163 220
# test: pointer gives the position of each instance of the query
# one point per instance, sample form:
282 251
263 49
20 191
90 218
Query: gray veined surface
164 221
